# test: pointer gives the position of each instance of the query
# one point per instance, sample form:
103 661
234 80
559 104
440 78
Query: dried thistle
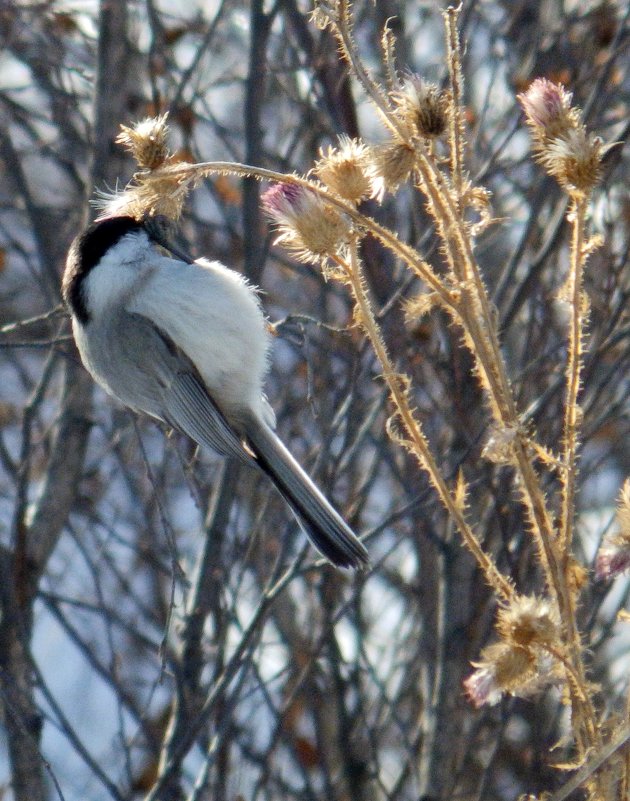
613 557
161 192
529 622
521 662
147 142
502 668
506 668
422 107
560 141
309 228
395 162
348 170
574 160
158 188
548 109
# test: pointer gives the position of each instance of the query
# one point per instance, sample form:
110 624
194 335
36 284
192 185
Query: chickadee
186 342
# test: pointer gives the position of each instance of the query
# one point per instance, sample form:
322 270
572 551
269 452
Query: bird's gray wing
191 410
182 397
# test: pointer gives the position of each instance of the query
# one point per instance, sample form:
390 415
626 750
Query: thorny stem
456 125
339 17
446 207
578 685
572 419
194 172
420 446
480 327
572 412
478 322
617 742
446 204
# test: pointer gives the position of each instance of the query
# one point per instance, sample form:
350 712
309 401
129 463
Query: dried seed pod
561 143
423 107
529 621
395 162
309 228
147 141
348 170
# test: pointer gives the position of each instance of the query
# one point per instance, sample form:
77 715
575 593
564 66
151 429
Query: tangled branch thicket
479 368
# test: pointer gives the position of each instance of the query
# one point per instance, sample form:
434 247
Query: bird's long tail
324 526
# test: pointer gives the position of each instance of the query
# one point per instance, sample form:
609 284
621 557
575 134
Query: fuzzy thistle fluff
502 668
422 107
308 227
521 662
561 143
395 162
348 170
147 141
528 622
548 109
158 187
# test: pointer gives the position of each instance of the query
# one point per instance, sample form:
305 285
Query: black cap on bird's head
90 246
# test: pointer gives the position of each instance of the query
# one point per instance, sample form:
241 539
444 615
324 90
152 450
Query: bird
186 342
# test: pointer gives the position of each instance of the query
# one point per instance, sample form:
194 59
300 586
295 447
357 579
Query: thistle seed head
348 170
423 107
547 106
158 188
308 227
395 162
147 142
561 143
503 668
574 160
529 621
514 667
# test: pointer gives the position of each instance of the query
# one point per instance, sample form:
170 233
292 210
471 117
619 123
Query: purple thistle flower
308 227
612 560
545 103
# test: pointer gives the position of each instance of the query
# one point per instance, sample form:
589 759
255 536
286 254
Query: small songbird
186 342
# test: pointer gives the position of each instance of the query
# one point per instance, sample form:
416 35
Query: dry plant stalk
319 222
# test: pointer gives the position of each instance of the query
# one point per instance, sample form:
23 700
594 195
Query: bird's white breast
209 311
